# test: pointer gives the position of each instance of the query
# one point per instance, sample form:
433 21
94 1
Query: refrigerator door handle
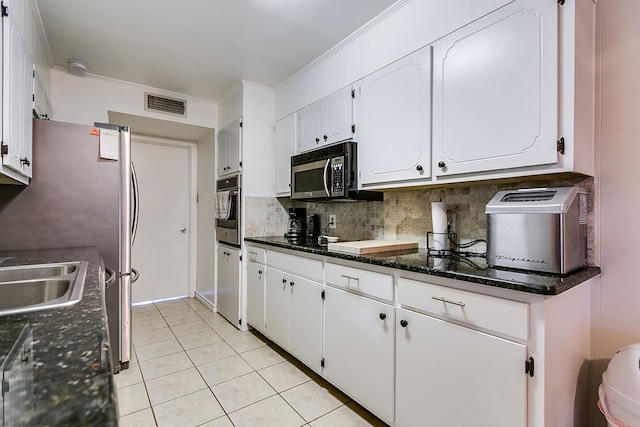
136 275
136 204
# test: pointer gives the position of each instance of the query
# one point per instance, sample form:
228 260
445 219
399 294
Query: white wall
88 99
618 310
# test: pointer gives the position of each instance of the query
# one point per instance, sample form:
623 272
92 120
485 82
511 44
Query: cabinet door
450 375
337 119
255 295
223 152
229 149
17 96
393 130
285 146
495 91
359 348
310 127
277 307
235 138
305 321
228 301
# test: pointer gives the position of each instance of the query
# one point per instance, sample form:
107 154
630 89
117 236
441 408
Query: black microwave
328 173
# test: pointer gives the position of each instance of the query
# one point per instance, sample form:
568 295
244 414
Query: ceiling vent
163 104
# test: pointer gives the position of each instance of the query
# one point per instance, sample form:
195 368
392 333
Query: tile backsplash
404 214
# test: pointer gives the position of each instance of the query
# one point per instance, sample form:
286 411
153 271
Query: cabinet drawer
487 312
256 254
301 266
376 285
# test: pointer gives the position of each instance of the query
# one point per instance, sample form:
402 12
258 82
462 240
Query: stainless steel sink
39 287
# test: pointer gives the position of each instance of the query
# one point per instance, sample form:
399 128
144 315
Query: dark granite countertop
72 366
469 269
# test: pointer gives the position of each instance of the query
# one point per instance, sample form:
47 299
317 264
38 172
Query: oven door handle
326 169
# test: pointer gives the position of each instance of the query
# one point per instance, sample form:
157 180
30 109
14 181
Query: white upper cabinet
285 141
229 148
495 91
393 114
326 121
18 29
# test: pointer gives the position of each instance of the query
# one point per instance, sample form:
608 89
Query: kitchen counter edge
418 262
73 377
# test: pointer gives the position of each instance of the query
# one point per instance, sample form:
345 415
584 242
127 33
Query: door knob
183 230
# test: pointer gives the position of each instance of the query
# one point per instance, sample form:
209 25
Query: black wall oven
228 225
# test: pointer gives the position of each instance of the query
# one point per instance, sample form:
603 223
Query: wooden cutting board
362 247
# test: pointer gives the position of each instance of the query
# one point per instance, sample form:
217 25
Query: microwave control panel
337 176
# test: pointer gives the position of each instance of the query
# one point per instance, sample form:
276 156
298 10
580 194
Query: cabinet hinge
4 150
353 93
5 387
561 2
33 74
560 145
33 97
4 9
240 257
353 128
239 321
322 363
322 295
529 366
240 164
240 124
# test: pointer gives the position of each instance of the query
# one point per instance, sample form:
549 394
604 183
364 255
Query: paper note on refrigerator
109 144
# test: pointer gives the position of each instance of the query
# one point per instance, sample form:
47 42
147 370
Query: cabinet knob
291 284
284 280
383 316
441 164
326 137
317 140
25 161
419 168
404 323
259 271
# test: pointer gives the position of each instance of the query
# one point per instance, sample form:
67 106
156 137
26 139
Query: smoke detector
77 67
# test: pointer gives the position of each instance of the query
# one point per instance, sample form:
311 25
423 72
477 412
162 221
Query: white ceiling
200 47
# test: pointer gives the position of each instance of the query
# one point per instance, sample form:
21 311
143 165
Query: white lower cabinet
358 349
255 295
293 315
450 375
228 293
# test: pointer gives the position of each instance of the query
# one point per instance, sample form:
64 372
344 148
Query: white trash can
619 393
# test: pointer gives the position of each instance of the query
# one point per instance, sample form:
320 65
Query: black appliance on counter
328 173
313 228
297 231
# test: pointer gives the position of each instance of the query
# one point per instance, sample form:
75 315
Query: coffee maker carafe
297 225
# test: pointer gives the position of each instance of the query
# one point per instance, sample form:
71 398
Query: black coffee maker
297 231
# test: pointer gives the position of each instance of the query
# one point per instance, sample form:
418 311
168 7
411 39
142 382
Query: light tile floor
190 367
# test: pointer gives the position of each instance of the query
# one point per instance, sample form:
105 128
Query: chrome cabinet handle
183 230
253 253
448 301
350 278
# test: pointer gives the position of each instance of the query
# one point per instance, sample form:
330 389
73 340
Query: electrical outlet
333 221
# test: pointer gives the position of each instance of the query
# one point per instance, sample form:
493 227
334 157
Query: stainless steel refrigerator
76 198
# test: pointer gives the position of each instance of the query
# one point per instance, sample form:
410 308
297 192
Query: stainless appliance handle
326 168
111 277
136 204
136 275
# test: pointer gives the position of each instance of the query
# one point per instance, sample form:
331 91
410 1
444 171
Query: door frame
192 149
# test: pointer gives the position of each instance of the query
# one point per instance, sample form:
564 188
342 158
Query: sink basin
39 287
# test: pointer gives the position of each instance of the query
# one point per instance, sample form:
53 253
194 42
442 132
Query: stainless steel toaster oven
539 229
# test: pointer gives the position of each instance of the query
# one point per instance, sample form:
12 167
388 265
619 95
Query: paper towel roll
439 219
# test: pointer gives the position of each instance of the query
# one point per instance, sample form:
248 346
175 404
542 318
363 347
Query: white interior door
160 251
